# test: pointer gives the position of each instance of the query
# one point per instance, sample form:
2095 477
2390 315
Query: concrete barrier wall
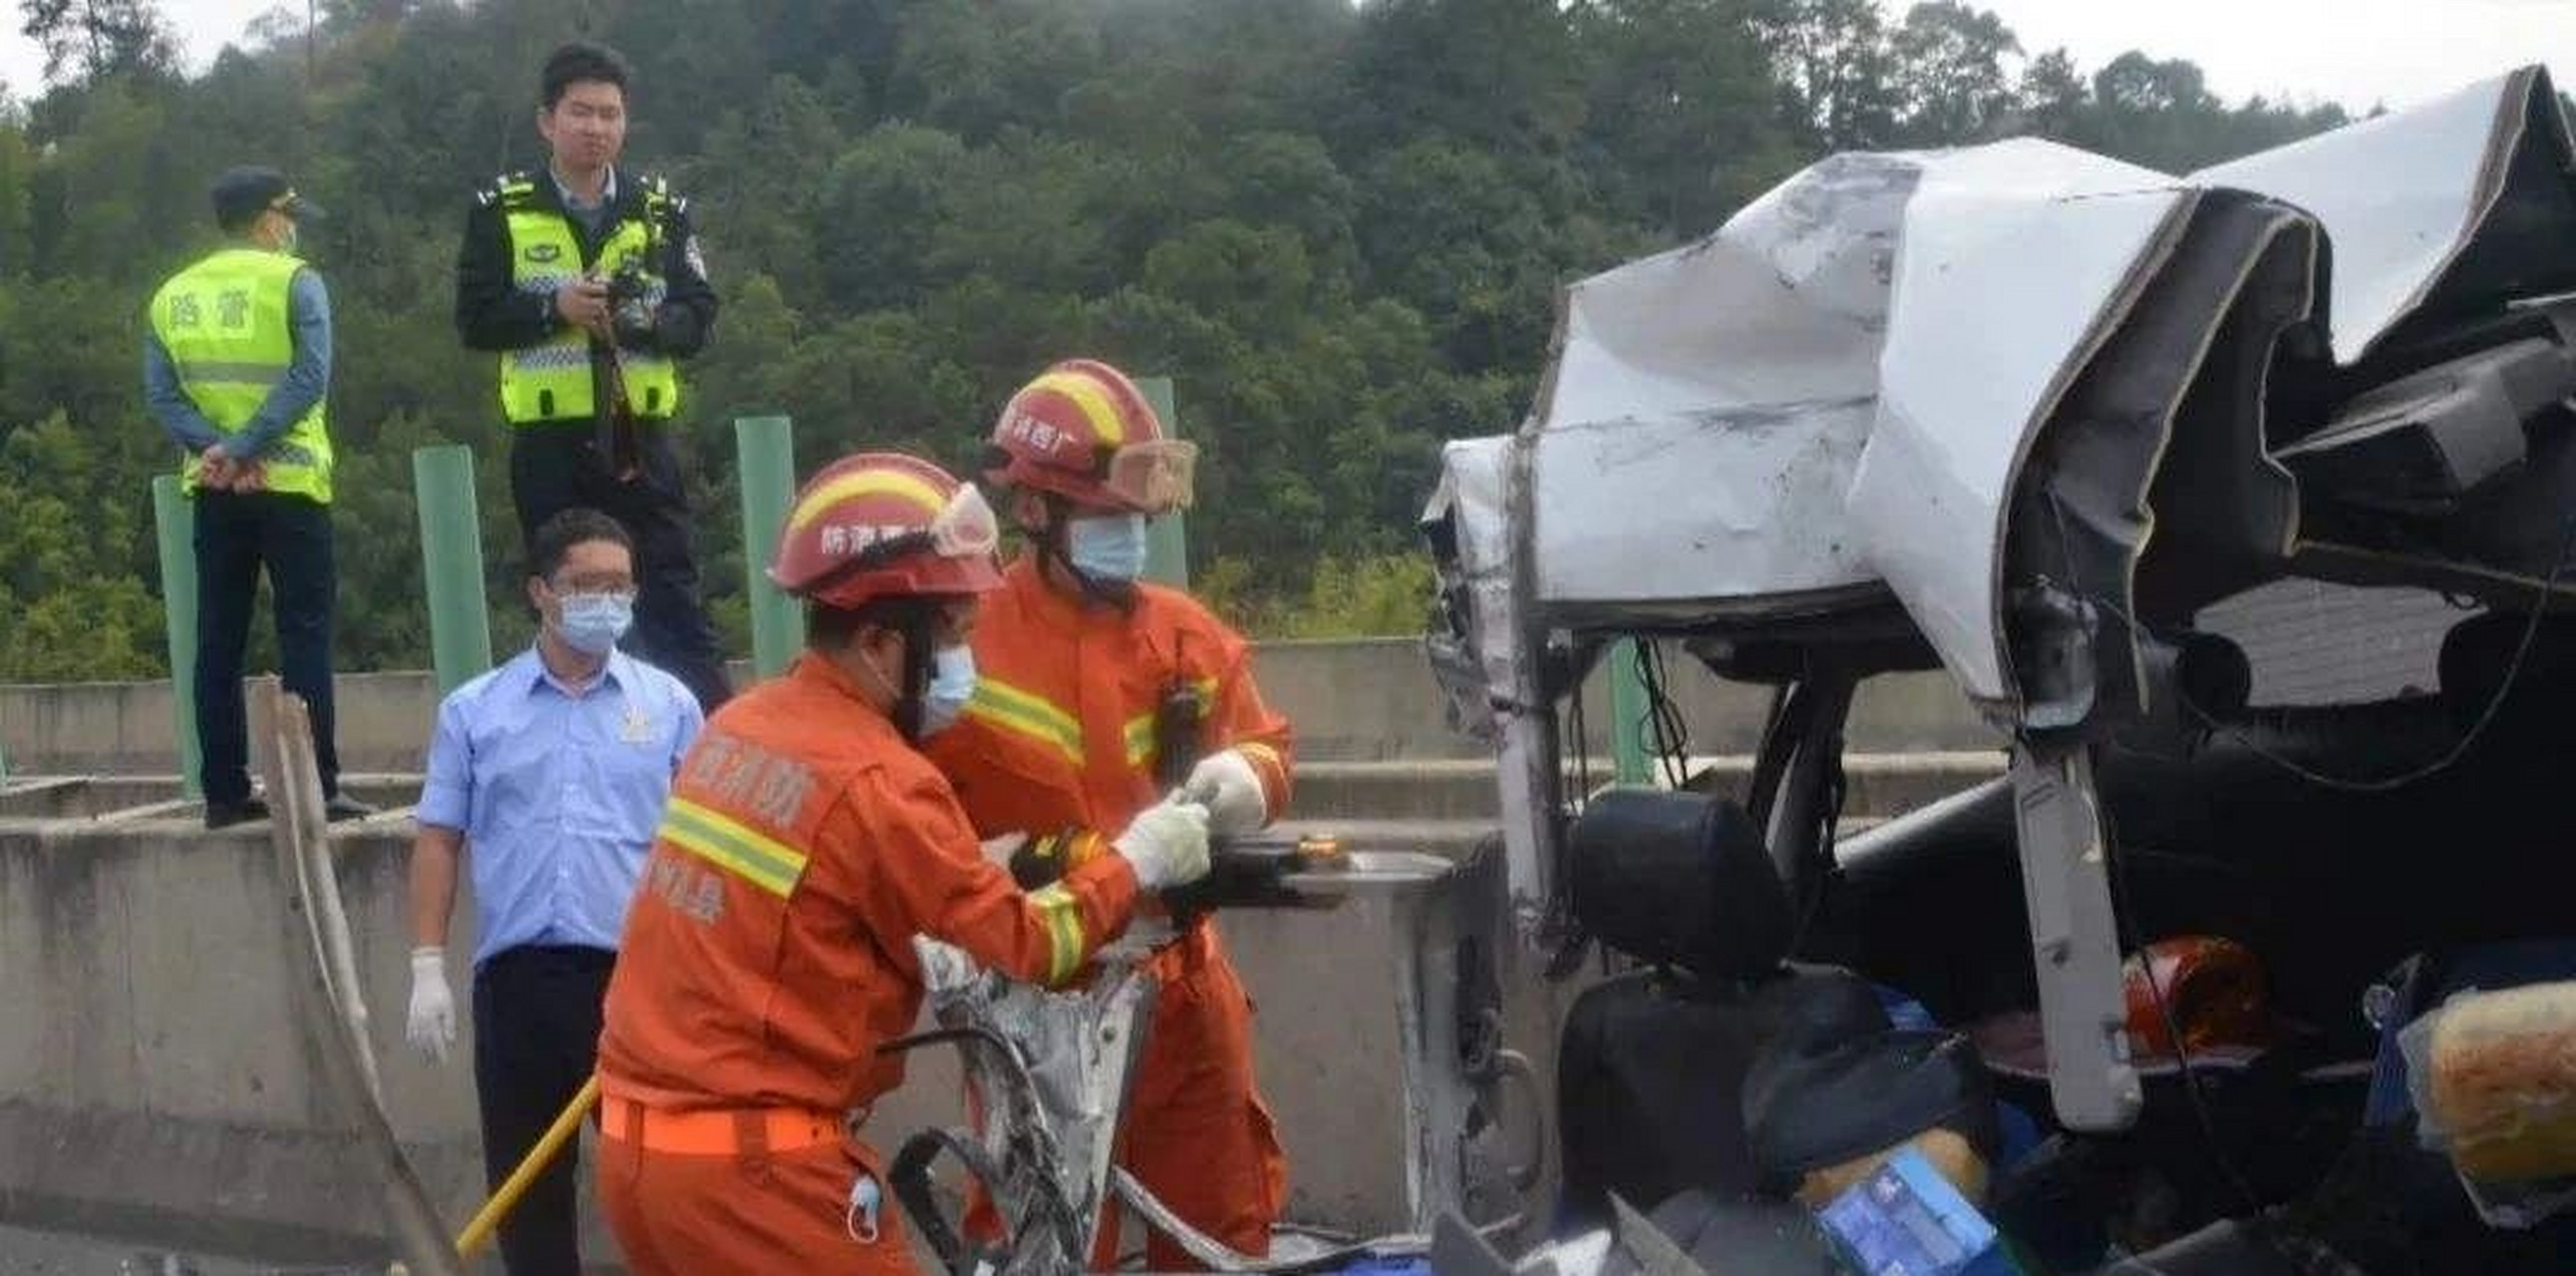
156 1086
162 1091
1358 700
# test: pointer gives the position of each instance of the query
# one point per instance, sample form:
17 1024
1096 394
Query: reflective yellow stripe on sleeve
1011 709
1063 915
728 844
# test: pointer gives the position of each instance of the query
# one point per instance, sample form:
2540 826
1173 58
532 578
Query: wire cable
2132 939
2459 749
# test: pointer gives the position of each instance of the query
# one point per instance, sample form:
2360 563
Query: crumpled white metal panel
1721 391
2016 257
1693 444
2397 195
1474 495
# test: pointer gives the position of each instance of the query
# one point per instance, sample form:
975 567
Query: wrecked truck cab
2060 426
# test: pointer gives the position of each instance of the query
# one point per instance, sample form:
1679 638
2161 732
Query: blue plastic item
1906 1220
1389 1267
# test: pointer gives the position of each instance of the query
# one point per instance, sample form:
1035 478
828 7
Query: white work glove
433 1008
1167 843
1226 783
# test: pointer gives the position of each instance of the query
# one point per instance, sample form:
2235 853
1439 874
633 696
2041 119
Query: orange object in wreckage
1060 737
2208 988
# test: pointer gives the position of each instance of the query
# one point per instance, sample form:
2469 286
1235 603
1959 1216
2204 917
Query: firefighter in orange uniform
1086 676
768 952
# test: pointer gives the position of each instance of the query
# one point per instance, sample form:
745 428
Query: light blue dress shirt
557 794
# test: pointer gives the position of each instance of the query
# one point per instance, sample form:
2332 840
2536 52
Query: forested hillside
1337 227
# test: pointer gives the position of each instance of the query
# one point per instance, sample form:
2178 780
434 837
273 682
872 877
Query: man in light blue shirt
549 773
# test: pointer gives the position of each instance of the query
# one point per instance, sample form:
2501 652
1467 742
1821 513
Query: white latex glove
433 1008
1167 843
1226 783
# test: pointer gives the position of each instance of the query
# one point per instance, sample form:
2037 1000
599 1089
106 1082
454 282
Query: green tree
99 37
1836 72
1681 121
1340 228
1951 82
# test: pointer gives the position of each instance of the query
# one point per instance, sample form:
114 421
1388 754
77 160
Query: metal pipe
174 520
1629 762
765 458
1167 546
451 559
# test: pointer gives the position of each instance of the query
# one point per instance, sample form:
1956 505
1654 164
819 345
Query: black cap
243 193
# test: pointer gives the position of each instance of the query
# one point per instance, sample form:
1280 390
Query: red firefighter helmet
885 525
1084 432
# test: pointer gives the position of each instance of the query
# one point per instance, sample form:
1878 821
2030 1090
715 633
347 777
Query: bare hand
215 470
250 476
584 304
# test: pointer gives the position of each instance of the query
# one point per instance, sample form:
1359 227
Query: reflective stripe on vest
227 323
733 846
1022 713
552 381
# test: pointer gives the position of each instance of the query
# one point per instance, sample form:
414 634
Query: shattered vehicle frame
1051 1069
2045 422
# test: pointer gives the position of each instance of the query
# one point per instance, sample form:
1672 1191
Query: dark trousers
555 467
536 1038
236 535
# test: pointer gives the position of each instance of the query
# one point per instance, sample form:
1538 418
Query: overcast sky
2352 51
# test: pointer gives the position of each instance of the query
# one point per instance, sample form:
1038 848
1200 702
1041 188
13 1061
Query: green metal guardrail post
174 520
1628 760
1167 545
451 559
765 459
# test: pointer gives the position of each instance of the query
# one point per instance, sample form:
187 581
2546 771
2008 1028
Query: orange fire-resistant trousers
735 1214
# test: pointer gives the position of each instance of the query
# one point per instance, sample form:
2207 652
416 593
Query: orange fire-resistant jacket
1060 734
1059 743
769 948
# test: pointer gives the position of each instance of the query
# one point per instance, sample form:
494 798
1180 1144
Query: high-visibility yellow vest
228 326
552 381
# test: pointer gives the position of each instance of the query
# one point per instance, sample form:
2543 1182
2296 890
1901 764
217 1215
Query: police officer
236 371
586 279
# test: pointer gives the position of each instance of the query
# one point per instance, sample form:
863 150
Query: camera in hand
631 300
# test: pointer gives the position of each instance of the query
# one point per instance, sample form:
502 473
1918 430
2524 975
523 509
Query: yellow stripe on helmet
896 483
1086 392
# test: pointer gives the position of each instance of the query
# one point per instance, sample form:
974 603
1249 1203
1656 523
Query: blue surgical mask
593 623
952 684
1107 548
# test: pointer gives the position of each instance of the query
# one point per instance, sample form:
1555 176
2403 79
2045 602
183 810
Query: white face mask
952 684
944 698
1109 547
592 623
